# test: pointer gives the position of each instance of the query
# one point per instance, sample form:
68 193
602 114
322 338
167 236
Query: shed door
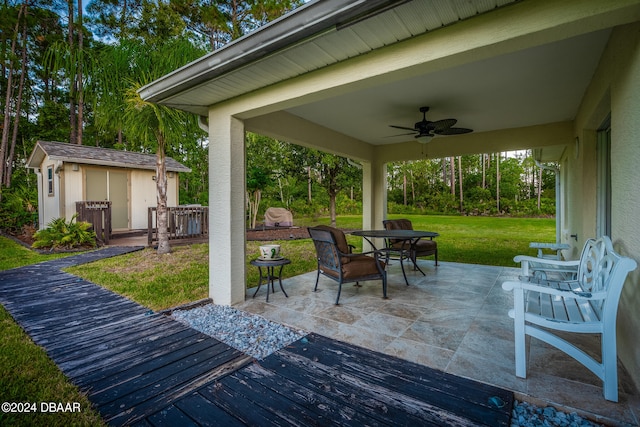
102 184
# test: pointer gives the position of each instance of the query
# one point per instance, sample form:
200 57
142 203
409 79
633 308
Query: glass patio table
408 237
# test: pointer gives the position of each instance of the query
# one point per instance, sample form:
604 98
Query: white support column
374 197
226 209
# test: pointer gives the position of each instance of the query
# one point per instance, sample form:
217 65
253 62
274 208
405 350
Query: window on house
50 180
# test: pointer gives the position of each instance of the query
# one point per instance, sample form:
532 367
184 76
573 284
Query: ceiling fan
425 130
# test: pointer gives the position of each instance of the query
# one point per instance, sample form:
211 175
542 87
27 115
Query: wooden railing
186 224
98 214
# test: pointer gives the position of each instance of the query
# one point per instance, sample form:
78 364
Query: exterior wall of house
614 90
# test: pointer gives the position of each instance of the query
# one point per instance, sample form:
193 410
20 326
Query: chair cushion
399 224
426 245
341 241
359 266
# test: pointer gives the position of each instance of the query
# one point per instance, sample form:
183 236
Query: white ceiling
540 85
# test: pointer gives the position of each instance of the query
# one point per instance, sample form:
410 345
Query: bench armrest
547 261
530 263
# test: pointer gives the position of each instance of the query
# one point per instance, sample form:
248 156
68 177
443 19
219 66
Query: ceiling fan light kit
423 139
426 130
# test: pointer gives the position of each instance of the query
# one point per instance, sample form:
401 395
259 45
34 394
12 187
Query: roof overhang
356 67
70 155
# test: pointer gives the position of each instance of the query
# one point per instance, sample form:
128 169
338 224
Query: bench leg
519 332
610 364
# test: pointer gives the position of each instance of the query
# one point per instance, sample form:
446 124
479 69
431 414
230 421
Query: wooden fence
98 214
187 224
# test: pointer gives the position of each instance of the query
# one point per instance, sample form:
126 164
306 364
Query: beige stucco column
226 209
374 197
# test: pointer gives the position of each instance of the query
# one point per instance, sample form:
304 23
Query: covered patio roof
527 75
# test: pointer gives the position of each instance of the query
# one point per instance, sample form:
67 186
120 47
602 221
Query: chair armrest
525 286
376 252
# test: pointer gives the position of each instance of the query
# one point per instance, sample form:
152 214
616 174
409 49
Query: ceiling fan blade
403 127
401 134
443 124
452 131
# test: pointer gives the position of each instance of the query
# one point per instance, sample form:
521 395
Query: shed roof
72 153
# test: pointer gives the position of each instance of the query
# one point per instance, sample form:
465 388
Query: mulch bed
277 233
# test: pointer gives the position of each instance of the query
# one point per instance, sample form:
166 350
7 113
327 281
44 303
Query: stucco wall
616 89
625 158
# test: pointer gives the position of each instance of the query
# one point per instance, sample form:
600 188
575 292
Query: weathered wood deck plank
153 352
289 401
141 368
205 413
450 392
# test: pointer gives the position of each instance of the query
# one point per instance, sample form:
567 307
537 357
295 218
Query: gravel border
249 333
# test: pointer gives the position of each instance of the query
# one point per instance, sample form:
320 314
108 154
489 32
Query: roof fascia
309 20
84 161
37 156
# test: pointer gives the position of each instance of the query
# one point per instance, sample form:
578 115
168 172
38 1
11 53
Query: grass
159 282
13 255
28 375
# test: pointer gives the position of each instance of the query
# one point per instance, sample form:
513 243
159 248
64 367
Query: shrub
19 208
60 234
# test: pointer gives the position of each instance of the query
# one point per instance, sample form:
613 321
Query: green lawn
13 255
160 282
27 373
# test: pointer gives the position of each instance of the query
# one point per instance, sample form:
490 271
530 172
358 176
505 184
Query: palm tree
143 123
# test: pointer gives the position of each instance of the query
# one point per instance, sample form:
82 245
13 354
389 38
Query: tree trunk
444 171
539 188
413 188
332 207
309 184
404 182
498 182
73 137
460 182
4 144
452 182
79 76
16 119
484 171
161 188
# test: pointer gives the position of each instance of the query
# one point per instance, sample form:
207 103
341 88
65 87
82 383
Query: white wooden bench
586 304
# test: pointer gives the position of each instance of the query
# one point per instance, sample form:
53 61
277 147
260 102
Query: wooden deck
142 368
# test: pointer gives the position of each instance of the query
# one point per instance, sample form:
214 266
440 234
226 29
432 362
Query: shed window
50 180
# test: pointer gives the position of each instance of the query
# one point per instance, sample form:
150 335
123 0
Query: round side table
270 265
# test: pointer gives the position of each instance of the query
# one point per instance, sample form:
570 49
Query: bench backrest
602 269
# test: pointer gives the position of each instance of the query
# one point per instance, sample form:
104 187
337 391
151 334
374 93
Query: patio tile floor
453 319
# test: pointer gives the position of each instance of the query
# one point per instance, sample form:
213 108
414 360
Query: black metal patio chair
337 262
